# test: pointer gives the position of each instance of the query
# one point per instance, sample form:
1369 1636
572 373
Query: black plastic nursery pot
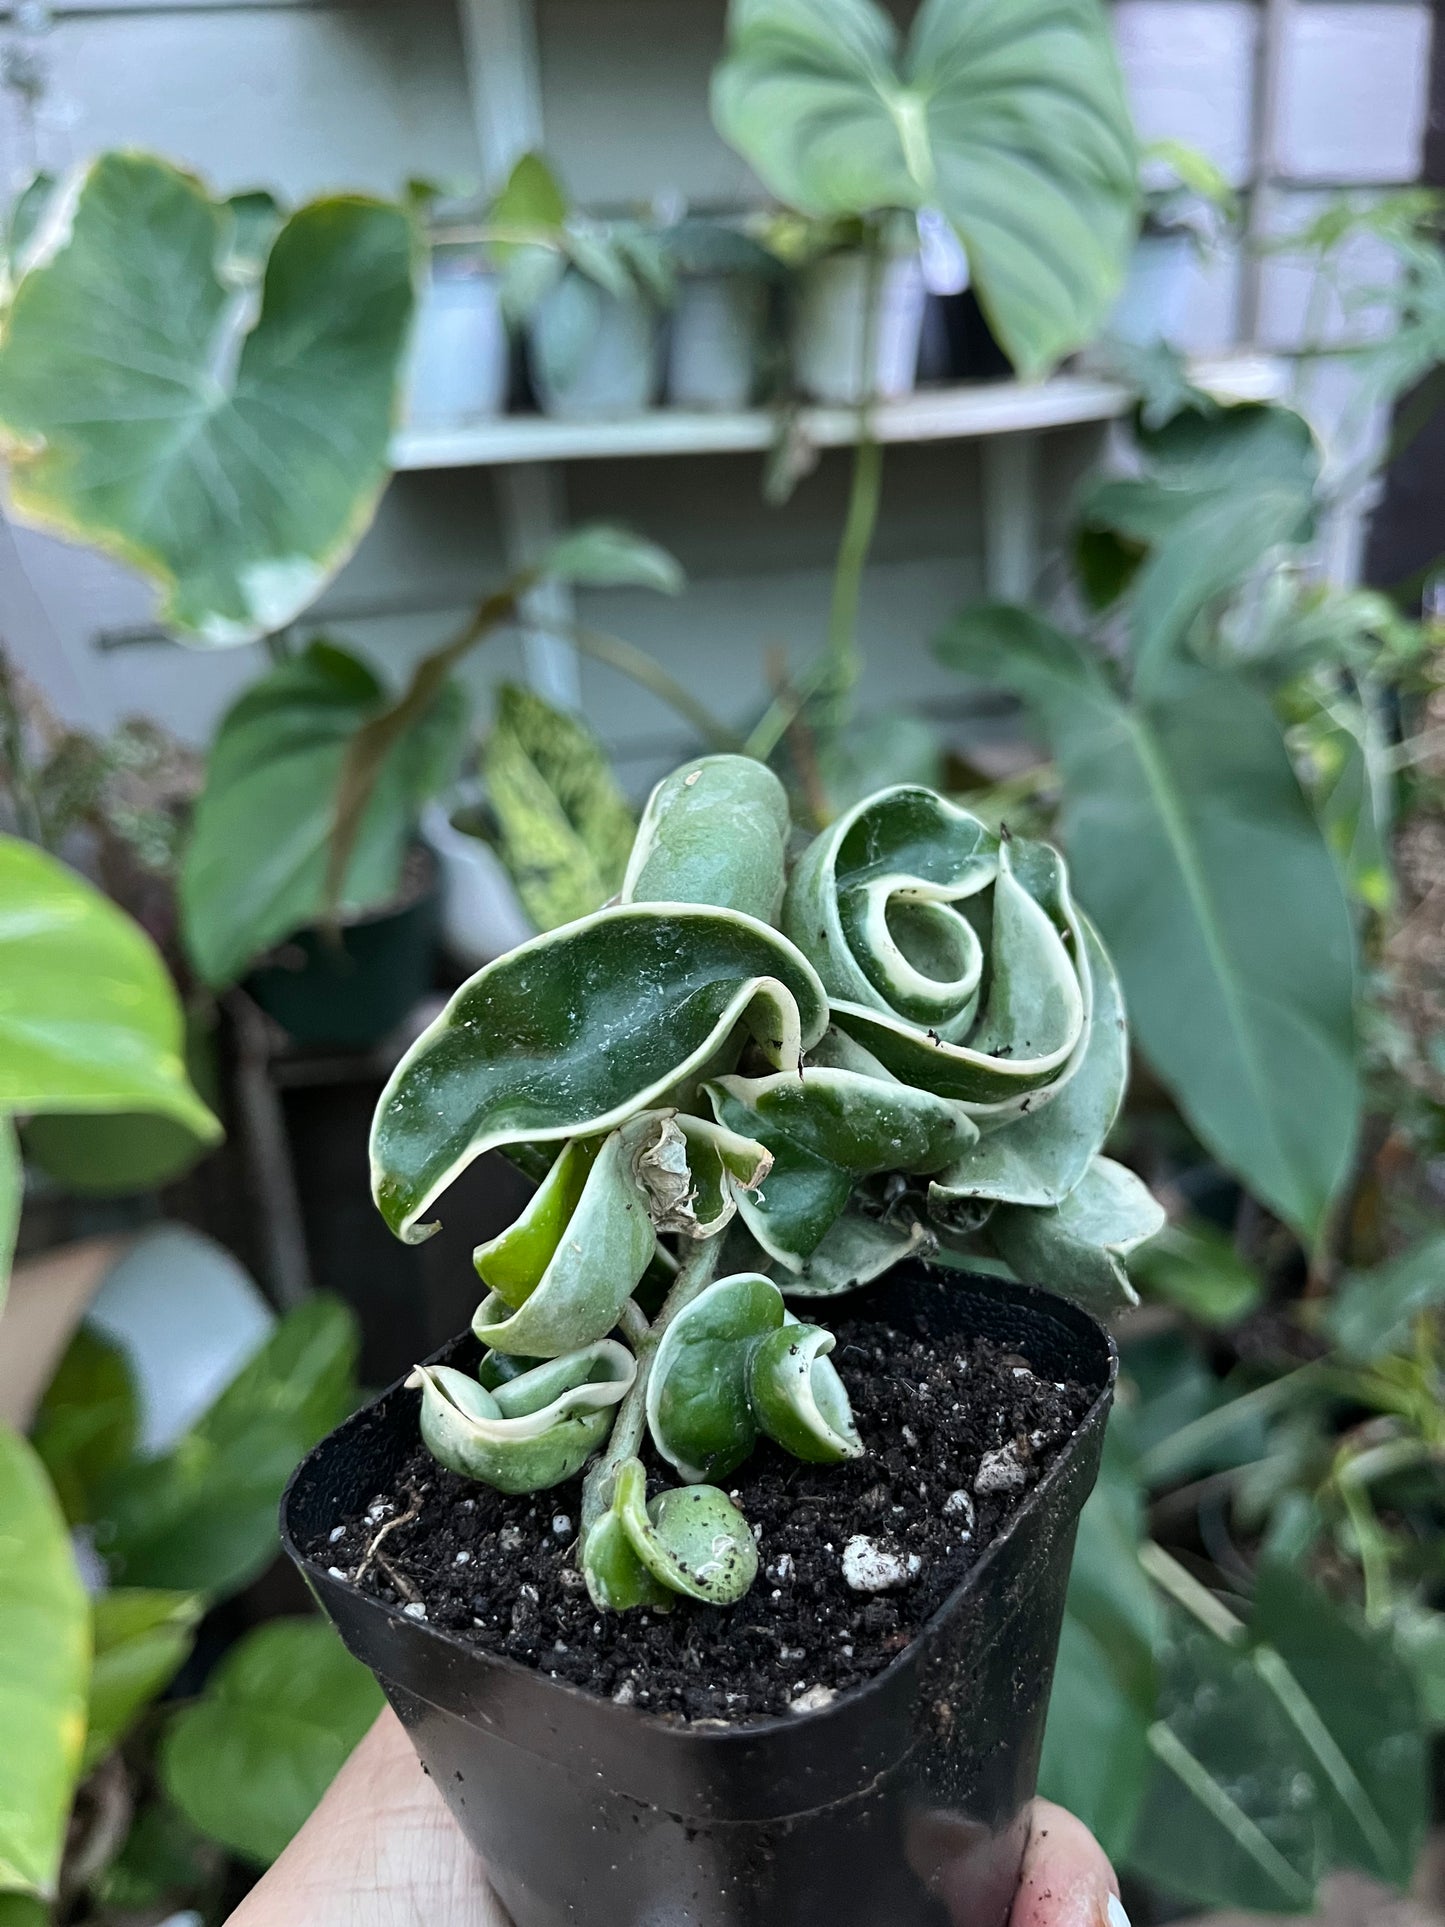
352 987
901 1802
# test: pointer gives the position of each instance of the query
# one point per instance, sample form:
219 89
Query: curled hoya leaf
512 1263
616 1578
534 1430
708 1398
798 1397
714 831
599 1251
579 1030
1078 1247
692 1539
696 1173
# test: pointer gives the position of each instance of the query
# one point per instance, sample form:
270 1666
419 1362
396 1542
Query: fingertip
1067 1880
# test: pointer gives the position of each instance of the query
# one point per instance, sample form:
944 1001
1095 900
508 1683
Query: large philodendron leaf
1078 1246
1007 115
532 1431
957 961
565 827
255 865
826 1129
576 1031
235 462
714 831
44 1665
733 1364
1198 856
89 1019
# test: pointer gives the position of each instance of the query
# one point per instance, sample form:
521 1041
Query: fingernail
1115 1913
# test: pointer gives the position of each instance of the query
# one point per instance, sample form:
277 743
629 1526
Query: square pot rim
753 1732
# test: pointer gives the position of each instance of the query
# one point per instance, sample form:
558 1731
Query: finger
1067 1880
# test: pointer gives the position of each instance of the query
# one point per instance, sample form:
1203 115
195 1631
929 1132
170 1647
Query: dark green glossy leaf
1007 115
248 1762
88 1422
574 1032
237 463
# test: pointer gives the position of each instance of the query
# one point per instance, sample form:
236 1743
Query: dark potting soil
955 1438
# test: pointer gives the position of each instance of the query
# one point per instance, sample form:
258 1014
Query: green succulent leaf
857 1249
693 1540
141 1639
826 1129
1211 884
578 1030
714 831
44 1662
1078 1246
89 1019
255 866
235 461
616 1578
603 1249
900 905
533 1431
513 1264
1041 1157
566 828
734 1363
1007 115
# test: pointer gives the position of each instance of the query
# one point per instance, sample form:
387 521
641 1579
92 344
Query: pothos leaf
1078 1246
532 1431
576 1031
715 831
566 828
733 1364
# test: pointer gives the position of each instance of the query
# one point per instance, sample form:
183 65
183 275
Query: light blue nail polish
1116 1913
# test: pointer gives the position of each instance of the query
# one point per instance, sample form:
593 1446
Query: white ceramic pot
1154 301
829 320
481 914
715 340
593 355
458 366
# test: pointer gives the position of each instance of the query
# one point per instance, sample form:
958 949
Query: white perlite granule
1001 1471
870 1567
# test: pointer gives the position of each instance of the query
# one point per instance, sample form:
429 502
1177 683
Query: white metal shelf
931 415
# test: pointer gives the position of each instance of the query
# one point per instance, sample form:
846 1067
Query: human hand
381 1850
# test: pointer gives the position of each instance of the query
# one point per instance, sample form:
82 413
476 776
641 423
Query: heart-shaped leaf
1007 115
576 1031
255 866
1078 1246
535 1430
89 1019
734 1363
714 831
236 462
602 1250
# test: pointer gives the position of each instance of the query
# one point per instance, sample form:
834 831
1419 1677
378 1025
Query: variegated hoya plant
747 1081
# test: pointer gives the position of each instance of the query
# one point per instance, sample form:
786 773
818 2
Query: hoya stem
694 1275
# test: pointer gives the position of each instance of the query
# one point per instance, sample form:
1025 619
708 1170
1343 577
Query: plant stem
643 669
693 1277
844 658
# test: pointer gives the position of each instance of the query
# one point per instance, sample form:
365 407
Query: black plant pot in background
352 987
902 1802
958 344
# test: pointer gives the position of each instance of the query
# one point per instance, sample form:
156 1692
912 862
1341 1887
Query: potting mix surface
955 1439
